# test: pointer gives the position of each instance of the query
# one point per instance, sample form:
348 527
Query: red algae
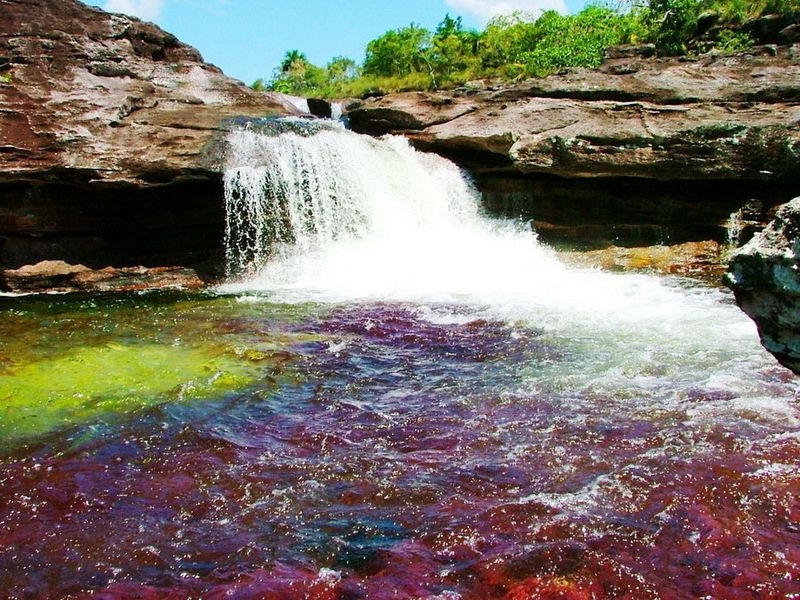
415 457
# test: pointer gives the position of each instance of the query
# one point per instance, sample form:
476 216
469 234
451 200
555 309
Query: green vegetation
87 383
519 45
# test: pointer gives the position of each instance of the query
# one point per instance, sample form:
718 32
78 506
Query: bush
578 40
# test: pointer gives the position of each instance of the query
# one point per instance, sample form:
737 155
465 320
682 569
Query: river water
393 396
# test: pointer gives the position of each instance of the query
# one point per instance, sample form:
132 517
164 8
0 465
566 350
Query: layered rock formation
714 117
765 278
108 131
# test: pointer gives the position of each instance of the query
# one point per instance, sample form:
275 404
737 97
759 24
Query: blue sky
248 38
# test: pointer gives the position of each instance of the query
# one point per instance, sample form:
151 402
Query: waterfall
327 215
331 217
304 189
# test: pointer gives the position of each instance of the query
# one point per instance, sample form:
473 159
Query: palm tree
291 58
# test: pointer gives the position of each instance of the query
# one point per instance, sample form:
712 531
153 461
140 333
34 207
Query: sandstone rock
62 277
110 134
690 259
765 278
108 96
716 117
407 111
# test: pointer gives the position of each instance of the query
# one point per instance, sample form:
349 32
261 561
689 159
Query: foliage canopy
522 45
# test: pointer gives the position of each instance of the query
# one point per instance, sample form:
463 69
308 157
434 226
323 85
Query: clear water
394 397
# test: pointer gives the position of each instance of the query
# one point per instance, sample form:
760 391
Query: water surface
403 399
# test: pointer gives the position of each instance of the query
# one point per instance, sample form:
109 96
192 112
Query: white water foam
361 220
336 217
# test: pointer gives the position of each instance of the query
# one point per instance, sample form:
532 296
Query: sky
248 38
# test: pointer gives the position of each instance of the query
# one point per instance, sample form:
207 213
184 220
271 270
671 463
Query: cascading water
336 217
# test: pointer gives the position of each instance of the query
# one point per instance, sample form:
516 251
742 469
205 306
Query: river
393 395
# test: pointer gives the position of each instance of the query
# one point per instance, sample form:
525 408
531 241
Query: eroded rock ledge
109 132
765 278
714 117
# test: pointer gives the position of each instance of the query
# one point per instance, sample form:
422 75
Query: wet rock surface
61 277
701 260
765 278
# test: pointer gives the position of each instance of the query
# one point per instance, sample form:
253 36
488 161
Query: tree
296 75
398 52
671 24
452 48
342 69
293 59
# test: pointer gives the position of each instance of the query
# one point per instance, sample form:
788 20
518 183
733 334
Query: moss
715 131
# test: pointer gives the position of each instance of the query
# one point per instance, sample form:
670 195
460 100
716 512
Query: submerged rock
690 259
765 278
61 277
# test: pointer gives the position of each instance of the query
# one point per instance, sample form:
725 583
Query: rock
715 117
768 29
407 111
690 259
108 96
110 137
320 107
629 51
765 278
62 277
790 34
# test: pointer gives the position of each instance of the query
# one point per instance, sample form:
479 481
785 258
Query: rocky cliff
108 130
765 278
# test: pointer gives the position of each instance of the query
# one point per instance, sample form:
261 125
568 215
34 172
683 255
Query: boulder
765 278
770 29
319 107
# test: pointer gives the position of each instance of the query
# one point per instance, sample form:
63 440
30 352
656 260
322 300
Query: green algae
89 382
66 363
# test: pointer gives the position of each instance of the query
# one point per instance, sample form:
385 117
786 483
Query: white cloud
147 10
486 9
